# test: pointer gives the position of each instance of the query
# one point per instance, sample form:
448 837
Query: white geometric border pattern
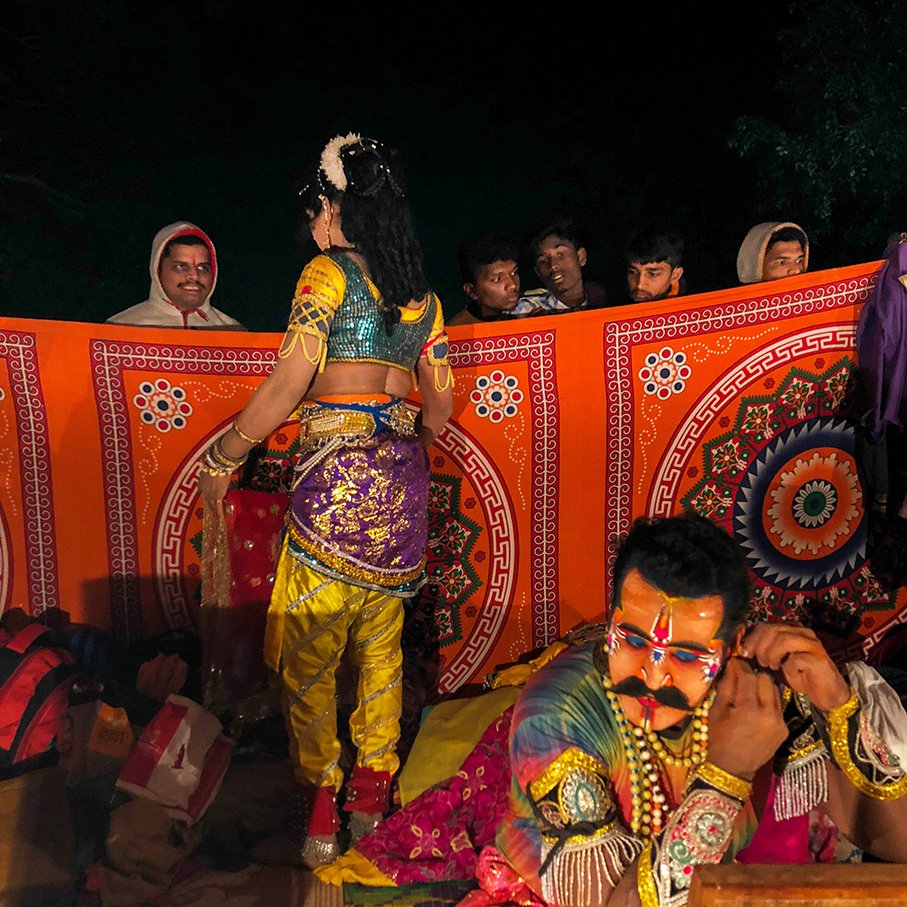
109 362
19 351
538 350
499 517
6 564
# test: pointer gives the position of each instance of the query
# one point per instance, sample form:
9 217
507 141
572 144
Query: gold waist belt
319 424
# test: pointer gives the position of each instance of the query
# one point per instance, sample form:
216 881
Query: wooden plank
837 885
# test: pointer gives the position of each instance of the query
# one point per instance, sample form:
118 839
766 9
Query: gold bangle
247 438
738 788
214 471
216 463
221 455
216 456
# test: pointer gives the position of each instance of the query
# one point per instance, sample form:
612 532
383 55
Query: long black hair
375 218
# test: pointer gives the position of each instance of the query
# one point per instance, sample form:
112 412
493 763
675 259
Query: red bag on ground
35 679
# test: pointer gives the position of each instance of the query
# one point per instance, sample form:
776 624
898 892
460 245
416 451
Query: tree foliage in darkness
834 155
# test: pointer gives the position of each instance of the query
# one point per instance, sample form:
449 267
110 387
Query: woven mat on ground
435 894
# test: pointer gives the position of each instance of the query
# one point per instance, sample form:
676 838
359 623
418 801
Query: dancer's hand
746 724
213 488
799 658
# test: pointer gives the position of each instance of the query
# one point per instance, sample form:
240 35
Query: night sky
120 118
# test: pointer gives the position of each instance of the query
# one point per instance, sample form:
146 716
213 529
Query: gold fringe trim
384 579
215 604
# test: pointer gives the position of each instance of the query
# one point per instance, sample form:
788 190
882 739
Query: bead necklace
647 757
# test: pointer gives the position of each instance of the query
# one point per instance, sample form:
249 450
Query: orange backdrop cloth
565 428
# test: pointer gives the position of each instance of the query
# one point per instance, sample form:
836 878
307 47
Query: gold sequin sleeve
318 294
436 351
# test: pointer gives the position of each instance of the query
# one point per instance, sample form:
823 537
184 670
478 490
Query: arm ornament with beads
698 833
867 735
585 849
318 293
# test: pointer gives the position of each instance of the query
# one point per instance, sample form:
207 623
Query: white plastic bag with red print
179 761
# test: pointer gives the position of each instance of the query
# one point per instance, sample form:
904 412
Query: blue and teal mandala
785 482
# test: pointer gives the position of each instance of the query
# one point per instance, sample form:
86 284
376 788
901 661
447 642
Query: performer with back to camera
364 330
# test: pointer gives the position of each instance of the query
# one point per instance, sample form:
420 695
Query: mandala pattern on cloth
665 373
452 536
784 481
162 405
497 396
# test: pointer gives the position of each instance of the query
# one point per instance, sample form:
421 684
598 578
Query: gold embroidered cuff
723 781
557 770
839 736
843 712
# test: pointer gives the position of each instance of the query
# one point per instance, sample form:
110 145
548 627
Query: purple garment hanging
881 344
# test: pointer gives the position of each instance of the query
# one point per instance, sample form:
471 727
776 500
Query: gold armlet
738 788
448 381
839 736
298 332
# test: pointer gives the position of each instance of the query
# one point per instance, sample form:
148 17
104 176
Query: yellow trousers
321 617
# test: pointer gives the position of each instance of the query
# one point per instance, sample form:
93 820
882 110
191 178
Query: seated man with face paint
635 758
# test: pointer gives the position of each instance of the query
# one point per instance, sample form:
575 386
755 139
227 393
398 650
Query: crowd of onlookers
654 263
183 271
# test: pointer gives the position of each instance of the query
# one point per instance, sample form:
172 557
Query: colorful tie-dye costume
570 802
566 832
356 533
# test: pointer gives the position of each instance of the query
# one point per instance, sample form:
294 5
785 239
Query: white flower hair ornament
331 165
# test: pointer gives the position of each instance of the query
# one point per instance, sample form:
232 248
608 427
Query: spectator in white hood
183 274
772 250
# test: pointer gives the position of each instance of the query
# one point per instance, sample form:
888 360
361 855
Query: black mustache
670 697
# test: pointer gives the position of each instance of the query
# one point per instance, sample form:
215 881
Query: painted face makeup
663 652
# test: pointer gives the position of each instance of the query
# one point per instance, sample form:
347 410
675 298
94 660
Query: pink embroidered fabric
809 838
438 835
